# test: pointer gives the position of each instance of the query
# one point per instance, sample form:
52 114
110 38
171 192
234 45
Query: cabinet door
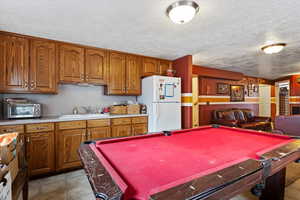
150 67
121 131
40 151
117 68
71 63
164 65
139 129
14 53
98 133
95 66
133 75
67 146
42 67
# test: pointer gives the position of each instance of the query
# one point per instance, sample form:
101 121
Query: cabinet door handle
82 76
33 85
27 139
8 130
25 84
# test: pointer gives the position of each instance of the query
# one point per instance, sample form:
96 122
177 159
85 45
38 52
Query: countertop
65 118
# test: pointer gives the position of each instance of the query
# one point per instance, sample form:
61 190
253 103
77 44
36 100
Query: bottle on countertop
143 109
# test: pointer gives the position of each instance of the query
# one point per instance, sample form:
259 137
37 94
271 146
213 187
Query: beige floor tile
75 173
292 173
75 186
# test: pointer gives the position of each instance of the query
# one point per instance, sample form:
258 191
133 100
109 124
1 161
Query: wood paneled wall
208 80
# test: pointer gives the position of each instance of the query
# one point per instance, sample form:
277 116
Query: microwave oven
19 108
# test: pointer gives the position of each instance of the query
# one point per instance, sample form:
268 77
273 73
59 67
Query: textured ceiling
226 34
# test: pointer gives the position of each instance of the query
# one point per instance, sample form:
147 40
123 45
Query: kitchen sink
83 116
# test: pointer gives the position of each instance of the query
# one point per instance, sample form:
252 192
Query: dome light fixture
273 48
182 12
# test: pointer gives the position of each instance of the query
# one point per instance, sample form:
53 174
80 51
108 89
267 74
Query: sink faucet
87 109
75 110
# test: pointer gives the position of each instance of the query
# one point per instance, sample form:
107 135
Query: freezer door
167 89
165 116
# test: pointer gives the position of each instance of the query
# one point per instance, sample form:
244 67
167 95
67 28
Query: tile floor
75 185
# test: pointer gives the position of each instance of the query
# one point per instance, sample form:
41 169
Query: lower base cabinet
40 152
98 133
139 129
68 142
52 147
121 131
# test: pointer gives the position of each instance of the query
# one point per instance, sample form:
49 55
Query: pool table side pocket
102 183
236 178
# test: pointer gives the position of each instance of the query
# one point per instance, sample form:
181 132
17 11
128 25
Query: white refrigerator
162 96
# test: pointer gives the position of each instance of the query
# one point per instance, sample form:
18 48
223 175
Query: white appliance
162 96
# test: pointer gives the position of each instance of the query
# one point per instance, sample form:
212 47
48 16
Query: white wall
70 96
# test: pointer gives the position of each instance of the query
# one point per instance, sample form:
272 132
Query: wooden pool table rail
102 183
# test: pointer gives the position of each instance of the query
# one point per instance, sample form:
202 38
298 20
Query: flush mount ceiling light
273 48
182 12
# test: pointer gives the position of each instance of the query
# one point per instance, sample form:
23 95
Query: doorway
264 100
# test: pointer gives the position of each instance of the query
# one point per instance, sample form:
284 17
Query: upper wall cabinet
14 53
117 72
95 66
150 67
124 74
42 67
71 64
78 65
133 75
164 65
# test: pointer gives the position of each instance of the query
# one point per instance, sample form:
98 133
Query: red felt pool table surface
148 164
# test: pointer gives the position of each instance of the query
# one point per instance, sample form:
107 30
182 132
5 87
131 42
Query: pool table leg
274 188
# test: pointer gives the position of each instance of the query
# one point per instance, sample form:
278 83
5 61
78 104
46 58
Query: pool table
209 162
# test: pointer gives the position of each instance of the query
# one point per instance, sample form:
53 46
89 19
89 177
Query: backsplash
70 96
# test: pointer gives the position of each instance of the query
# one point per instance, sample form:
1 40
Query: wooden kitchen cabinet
14 54
164 65
98 133
40 152
24 69
139 129
121 127
98 129
133 75
71 63
121 131
42 67
124 74
150 66
12 128
69 136
117 73
96 66
40 148
139 125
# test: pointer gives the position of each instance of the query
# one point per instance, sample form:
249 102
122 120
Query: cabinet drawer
12 128
71 125
121 121
139 120
43 127
98 123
